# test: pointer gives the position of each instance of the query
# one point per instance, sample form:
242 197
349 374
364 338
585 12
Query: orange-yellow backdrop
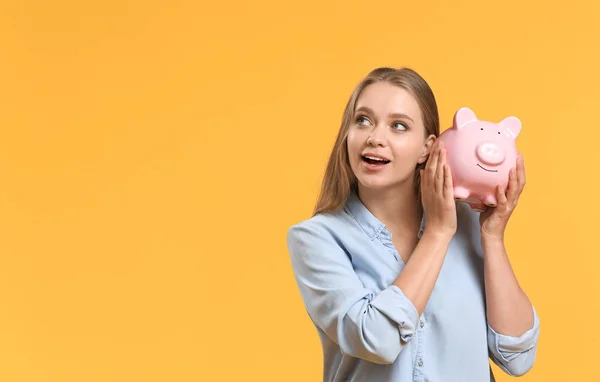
153 155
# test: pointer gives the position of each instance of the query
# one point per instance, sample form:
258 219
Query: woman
401 282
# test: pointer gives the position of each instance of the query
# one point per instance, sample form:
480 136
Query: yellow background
153 155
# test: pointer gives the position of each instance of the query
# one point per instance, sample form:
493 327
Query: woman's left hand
494 220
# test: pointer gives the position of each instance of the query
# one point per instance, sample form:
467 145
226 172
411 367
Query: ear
427 149
513 125
463 116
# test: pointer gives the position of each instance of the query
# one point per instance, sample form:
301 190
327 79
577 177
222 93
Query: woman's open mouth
373 163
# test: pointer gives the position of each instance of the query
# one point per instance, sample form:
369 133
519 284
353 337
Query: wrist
492 237
492 243
439 235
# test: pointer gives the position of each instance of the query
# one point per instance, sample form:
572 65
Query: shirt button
422 324
420 362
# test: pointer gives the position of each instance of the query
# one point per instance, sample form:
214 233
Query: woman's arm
513 325
509 310
419 276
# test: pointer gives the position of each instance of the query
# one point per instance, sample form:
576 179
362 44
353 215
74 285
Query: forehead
384 99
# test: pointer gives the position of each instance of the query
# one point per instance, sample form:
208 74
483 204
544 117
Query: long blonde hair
339 179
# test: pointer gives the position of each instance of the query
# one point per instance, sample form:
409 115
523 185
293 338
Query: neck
396 207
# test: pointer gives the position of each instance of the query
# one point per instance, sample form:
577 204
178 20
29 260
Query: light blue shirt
344 264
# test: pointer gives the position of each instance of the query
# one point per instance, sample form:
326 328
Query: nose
490 153
375 138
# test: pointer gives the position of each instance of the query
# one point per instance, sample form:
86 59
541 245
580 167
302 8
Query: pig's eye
498 132
482 128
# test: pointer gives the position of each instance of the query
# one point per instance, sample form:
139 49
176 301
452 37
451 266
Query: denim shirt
345 263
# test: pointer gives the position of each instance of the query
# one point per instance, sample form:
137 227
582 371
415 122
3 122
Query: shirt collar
372 226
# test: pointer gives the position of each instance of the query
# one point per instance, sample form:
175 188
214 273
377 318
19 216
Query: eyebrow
392 115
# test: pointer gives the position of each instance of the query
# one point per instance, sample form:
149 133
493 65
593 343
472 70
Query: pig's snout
490 153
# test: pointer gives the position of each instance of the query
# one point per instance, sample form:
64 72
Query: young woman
402 282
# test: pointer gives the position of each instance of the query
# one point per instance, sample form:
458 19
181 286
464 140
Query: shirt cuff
395 305
510 347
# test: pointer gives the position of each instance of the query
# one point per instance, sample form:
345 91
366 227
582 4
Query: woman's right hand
437 193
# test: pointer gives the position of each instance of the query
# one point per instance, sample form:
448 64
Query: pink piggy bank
480 155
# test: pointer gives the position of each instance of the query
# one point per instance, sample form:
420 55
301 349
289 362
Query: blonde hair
339 179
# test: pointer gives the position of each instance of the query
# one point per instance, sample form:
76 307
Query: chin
375 183
381 181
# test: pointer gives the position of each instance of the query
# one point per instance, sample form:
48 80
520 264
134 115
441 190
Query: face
387 138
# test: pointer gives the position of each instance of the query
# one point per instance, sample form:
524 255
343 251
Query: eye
498 132
400 126
362 120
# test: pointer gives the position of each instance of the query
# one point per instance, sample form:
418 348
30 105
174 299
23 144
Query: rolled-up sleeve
515 355
367 325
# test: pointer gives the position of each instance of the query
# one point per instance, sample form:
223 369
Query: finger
439 171
431 152
448 186
513 186
520 172
501 196
431 166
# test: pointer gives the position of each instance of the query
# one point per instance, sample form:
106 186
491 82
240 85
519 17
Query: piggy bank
480 155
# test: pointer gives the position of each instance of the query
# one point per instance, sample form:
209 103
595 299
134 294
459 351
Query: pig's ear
463 116
512 125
